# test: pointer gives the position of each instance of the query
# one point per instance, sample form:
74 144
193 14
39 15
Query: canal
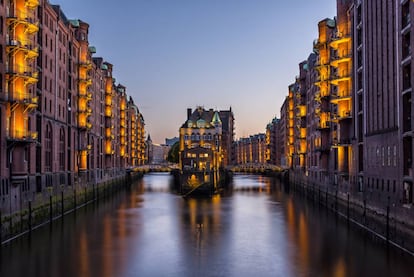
254 229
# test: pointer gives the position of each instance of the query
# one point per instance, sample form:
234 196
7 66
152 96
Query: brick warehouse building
64 120
352 106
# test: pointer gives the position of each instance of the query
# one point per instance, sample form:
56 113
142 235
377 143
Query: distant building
273 142
251 150
171 141
159 153
149 148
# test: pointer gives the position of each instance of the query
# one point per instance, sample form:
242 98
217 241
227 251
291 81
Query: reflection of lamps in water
192 180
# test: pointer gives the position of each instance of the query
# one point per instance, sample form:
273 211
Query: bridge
154 168
258 168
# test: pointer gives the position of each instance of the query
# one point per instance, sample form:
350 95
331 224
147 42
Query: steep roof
202 118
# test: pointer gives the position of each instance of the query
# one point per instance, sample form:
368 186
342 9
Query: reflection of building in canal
203 213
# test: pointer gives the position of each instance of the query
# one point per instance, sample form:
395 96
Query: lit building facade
353 96
273 142
251 150
56 130
201 147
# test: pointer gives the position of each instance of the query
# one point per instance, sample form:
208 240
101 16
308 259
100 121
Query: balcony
21 98
337 78
23 17
85 126
85 81
338 39
27 46
345 115
82 109
108 111
22 136
32 3
341 96
301 111
324 126
86 65
344 59
26 72
321 80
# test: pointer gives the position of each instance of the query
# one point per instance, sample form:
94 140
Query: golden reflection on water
83 254
122 234
339 268
204 213
298 232
303 241
216 210
107 260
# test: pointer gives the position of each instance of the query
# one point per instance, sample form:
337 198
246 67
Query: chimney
189 112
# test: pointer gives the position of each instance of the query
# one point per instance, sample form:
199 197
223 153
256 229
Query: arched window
62 150
48 148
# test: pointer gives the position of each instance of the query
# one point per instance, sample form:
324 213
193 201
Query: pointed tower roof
216 118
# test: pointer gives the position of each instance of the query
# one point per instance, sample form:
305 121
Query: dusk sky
178 54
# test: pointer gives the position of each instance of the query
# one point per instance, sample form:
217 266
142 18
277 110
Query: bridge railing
255 168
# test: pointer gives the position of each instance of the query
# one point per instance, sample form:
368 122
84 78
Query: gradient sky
178 54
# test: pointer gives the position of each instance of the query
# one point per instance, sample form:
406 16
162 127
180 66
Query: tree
173 153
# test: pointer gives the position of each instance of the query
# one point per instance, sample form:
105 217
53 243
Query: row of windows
384 156
48 86
61 109
194 155
198 137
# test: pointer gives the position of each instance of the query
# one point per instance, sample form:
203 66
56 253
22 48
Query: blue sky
178 54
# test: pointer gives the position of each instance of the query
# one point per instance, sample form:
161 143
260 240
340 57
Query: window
62 150
48 148
395 155
389 155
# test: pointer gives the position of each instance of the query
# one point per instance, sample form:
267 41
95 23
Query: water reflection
254 229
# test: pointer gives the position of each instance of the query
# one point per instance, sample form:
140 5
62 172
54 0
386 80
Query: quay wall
62 200
388 222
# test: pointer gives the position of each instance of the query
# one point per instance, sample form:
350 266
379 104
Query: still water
256 229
